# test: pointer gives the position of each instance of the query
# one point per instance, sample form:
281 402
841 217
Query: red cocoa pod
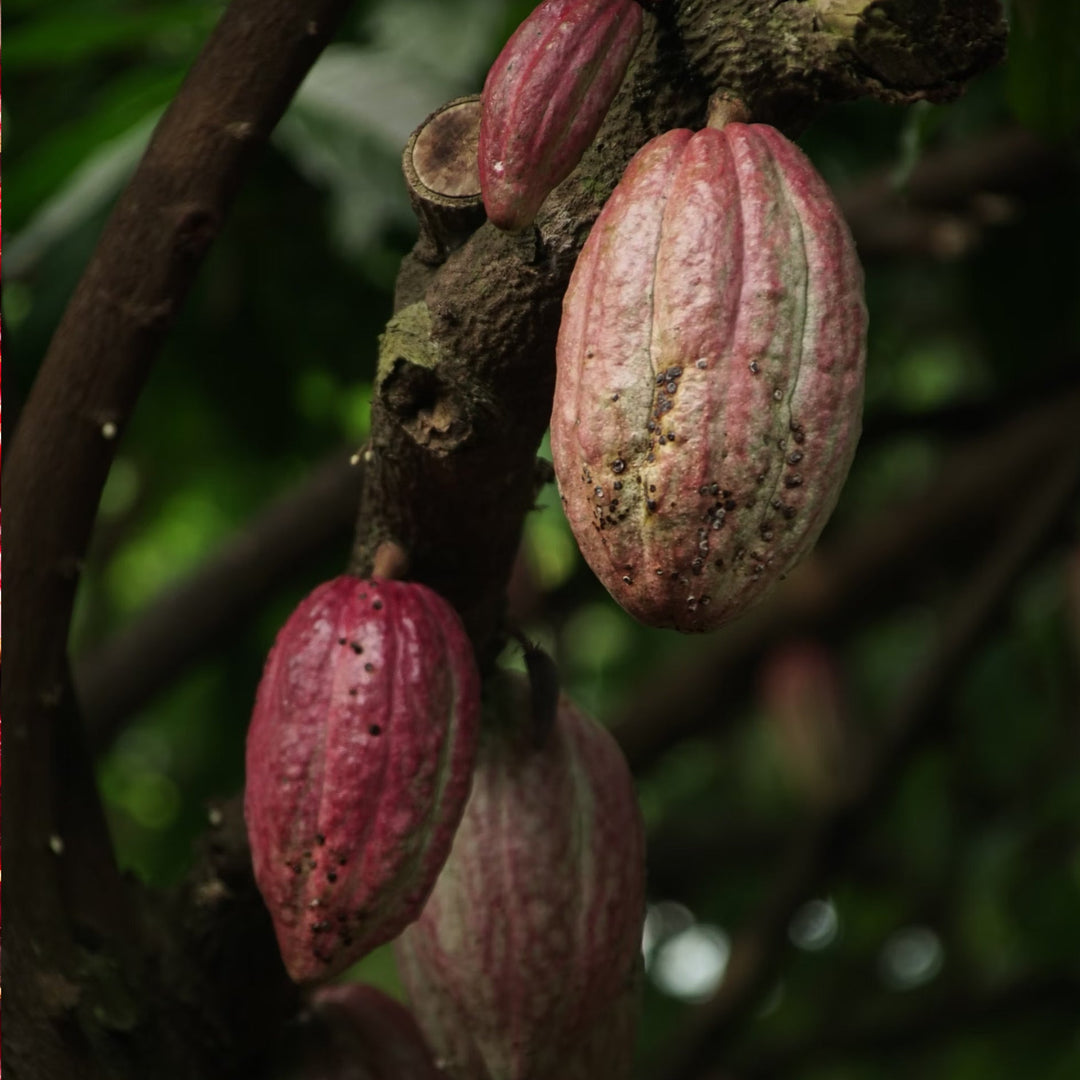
354 1032
546 96
524 963
359 758
710 374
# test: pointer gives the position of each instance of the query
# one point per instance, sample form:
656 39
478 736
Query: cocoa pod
359 758
546 96
710 374
524 963
353 1032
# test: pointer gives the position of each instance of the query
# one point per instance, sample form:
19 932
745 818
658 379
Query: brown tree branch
60 891
758 951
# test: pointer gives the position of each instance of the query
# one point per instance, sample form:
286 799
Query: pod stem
724 109
390 561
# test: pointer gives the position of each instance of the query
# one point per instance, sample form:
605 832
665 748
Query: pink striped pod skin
359 760
546 96
524 964
710 374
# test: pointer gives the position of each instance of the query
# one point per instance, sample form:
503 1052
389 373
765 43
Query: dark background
941 935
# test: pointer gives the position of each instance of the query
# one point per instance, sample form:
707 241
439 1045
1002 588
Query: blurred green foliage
971 872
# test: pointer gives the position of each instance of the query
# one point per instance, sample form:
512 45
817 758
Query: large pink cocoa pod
546 96
710 374
524 963
359 758
354 1032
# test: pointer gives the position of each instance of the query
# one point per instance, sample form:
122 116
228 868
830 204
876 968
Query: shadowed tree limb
757 952
65 900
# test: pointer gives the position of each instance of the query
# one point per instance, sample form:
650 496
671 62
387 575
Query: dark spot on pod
374 730
627 580
618 465
671 436
320 927
766 534
614 397
331 876
673 372
659 571
651 425
778 394
703 490
789 512
794 457
651 504
341 861
706 599
377 605
651 458
369 666
714 489
661 378
754 368
719 564
357 647
781 444
341 641
353 691
320 839
652 487
776 504
696 565
664 405
297 866
793 481
799 437
617 485
671 387
702 364
729 504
